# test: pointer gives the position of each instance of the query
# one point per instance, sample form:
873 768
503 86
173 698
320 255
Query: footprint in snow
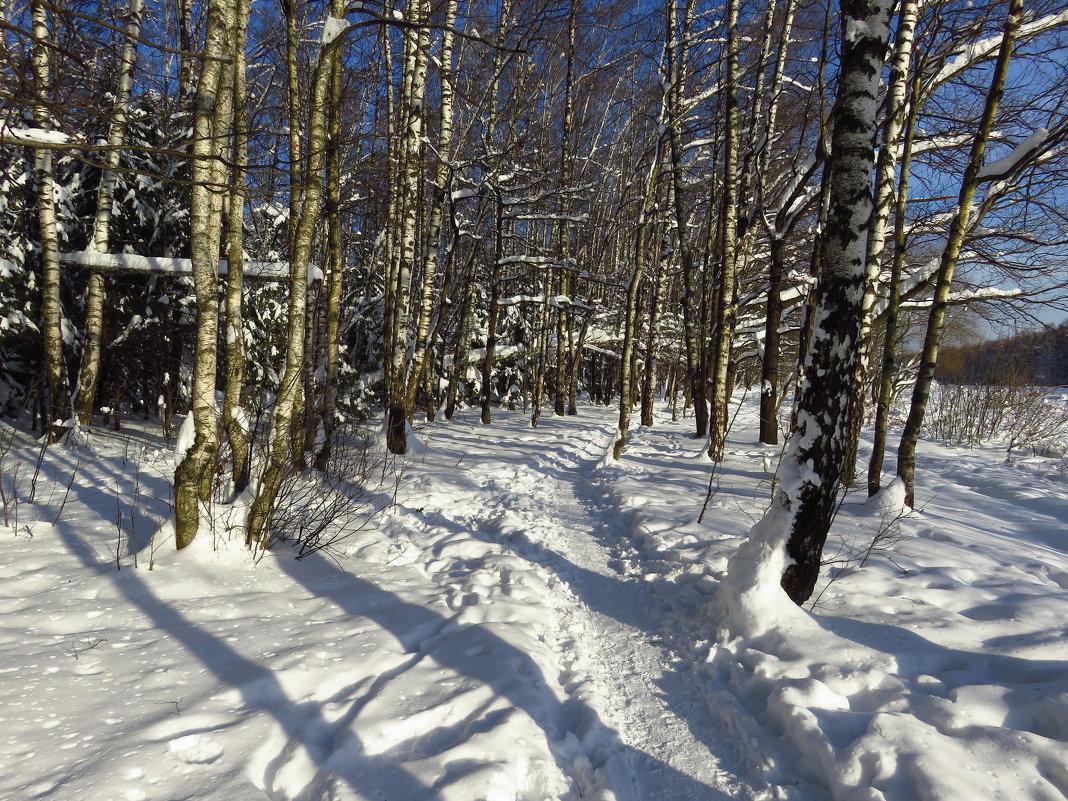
195 749
189 739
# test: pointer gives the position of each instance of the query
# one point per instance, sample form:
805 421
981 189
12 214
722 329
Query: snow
977 51
271 270
1003 166
32 136
333 27
526 624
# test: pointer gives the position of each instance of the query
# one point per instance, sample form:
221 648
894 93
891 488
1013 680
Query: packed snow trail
625 650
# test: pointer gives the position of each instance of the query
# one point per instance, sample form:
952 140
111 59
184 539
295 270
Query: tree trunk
287 404
807 479
769 367
334 276
494 310
235 416
193 474
884 200
906 454
440 198
727 251
649 381
889 361
51 306
89 372
413 89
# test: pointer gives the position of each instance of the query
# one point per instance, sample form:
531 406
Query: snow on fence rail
126 262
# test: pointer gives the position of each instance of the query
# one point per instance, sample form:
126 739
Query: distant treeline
1037 357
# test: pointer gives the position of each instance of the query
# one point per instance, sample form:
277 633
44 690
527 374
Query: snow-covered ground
530 623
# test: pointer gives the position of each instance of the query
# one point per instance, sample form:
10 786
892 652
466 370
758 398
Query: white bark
193 474
89 373
51 308
287 404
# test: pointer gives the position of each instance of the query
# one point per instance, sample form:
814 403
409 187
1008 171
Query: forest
283 221
533 400
1038 357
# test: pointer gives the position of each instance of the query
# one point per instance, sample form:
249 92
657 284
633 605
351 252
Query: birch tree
405 200
439 199
286 411
234 414
193 475
51 305
89 372
727 249
906 457
791 535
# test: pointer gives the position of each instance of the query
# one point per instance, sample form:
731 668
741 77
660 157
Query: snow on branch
1000 168
556 301
549 260
33 137
970 55
333 27
127 262
963 296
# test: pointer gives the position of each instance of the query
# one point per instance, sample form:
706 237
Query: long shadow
917 655
303 723
556 718
119 490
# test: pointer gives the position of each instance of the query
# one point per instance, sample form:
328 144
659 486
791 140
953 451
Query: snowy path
540 495
528 626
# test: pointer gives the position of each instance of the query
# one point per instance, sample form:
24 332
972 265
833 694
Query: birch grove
379 216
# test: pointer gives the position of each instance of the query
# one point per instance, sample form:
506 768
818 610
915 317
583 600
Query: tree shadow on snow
306 726
915 656
304 723
525 687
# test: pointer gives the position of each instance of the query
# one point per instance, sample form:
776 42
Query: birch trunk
89 372
414 86
192 476
885 182
808 475
725 308
627 378
493 316
463 339
334 276
51 305
494 310
235 416
889 361
769 368
440 197
564 317
652 349
287 404
693 293
906 454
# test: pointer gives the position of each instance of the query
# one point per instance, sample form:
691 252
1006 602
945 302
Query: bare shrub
849 557
1018 415
317 509
9 482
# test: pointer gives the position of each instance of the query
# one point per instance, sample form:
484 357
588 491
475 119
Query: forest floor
530 621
